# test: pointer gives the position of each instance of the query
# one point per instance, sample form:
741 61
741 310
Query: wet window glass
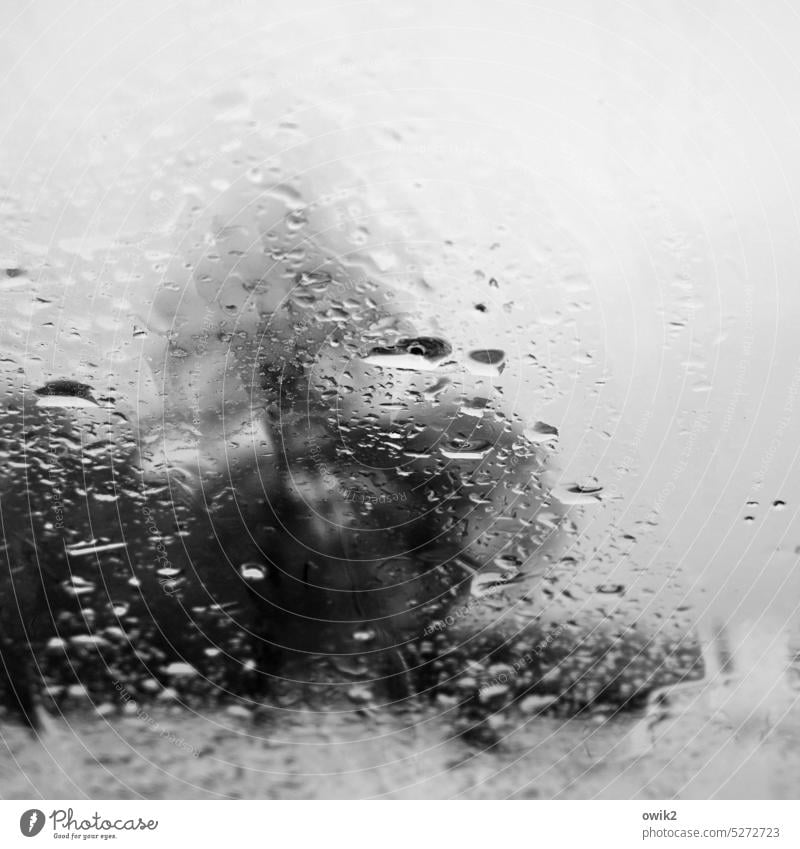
408 387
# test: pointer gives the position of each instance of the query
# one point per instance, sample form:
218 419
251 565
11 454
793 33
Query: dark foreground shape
355 520
17 686
21 608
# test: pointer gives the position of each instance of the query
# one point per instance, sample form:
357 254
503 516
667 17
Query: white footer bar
387 824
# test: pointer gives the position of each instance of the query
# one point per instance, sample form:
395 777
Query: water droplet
315 281
84 549
486 362
437 388
422 353
476 407
536 704
88 640
487 583
540 432
575 495
253 571
66 394
359 694
610 589
78 586
181 670
466 449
